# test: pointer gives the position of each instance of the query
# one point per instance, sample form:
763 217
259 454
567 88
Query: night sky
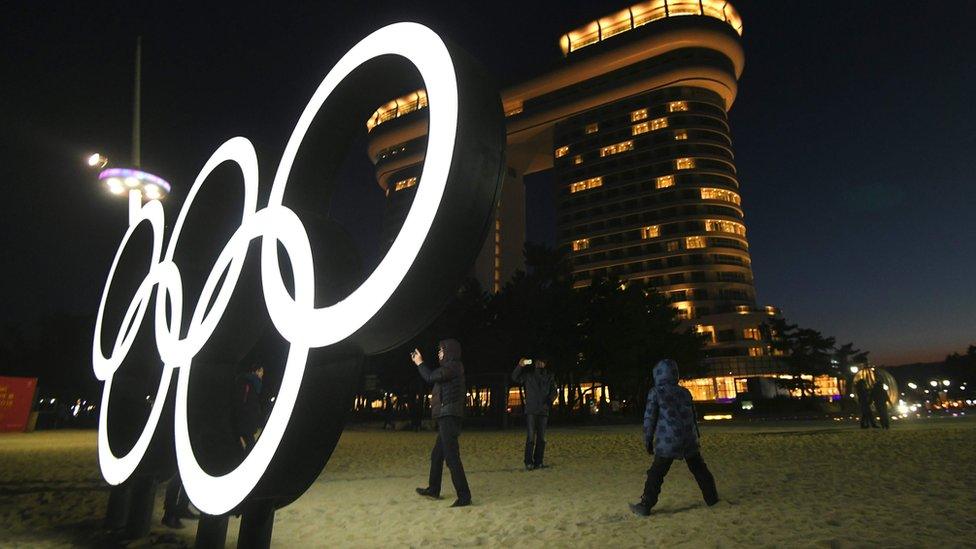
853 130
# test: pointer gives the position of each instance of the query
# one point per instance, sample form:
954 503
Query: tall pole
135 195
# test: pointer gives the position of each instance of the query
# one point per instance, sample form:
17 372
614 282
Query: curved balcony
644 13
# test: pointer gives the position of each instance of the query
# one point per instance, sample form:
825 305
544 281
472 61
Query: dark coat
879 395
540 388
669 417
448 396
247 404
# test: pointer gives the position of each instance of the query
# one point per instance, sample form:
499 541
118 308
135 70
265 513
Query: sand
788 484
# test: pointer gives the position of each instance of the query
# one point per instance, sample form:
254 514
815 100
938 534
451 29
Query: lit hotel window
651 231
578 159
592 128
586 184
513 111
562 151
756 351
684 310
638 129
694 242
681 135
659 123
708 332
405 184
638 115
684 163
664 182
617 148
751 333
709 193
581 244
672 246
677 106
722 226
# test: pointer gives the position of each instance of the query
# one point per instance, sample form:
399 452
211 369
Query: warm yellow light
681 135
152 192
711 193
693 242
586 184
617 148
405 183
581 244
115 186
664 182
638 129
131 182
684 163
592 128
659 123
651 231
562 151
677 106
716 417
638 115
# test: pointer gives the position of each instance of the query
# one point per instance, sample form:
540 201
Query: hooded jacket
669 417
540 388
447 397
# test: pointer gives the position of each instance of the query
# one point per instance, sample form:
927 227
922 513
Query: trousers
535 438
447 449
659 469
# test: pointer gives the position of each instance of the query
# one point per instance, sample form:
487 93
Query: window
562 151
677 106
710 193
586 184
638 115
692 242
405 184
681 135
659 123
684 311
752 333
707 332
722 226
672 246
592 128
756 351
664 182
513 111
651 231
617 148
581 244
684 163
577 160
638 129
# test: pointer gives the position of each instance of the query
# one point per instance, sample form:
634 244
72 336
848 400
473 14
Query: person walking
447 408
540 390
864 402
247 405
670 433
879 395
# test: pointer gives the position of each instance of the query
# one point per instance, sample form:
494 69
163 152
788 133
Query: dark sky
853 130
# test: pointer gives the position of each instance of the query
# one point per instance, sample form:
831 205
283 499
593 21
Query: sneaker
540 466
461 502
428 493
529 466
172 521
640 509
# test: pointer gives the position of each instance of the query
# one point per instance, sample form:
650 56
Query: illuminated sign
452 202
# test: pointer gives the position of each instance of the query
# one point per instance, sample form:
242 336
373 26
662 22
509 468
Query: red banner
16 398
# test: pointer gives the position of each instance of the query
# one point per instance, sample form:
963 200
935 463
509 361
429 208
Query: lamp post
133 181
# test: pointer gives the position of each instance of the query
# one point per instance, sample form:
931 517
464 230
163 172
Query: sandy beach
785 484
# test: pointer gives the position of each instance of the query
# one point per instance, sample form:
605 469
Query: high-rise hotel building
633 124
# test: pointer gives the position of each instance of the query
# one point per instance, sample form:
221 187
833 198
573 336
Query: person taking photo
539 386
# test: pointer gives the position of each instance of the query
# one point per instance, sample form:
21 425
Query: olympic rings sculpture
297 319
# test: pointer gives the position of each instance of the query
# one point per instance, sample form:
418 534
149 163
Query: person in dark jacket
864 402
247 405
670 433
176 504
540 390
879 395
447 408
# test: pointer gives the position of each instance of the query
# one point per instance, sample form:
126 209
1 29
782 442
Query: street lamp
934 383
97 161
945 382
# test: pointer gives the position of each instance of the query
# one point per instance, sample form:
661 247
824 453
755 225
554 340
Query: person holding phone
447 408
540 391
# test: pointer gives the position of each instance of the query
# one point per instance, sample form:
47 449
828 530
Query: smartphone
528 362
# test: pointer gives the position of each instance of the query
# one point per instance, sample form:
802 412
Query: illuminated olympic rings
298 320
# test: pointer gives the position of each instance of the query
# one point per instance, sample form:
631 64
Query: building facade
634 125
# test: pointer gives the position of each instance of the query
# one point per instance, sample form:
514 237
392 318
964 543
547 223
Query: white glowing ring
298 321
116 469
328 325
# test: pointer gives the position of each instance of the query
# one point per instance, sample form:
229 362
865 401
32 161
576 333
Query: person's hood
666 372
452 350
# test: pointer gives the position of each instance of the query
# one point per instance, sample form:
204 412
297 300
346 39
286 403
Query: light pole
133 181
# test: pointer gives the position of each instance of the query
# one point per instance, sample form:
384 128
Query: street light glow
912 385
945 382
854 369
97 161
934 383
